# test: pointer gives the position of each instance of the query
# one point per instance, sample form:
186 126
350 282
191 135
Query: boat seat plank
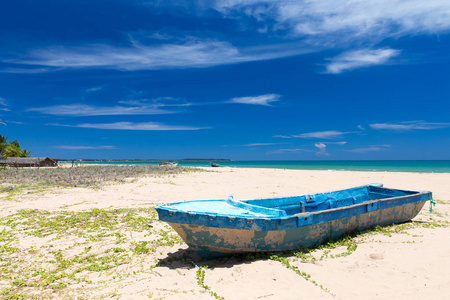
258 209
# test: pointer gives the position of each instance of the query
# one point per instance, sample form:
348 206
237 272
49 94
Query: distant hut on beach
20 162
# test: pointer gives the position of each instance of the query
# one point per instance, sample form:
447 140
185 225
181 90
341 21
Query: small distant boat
215 228
213 164
168 164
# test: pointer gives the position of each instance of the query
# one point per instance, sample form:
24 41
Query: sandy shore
413 264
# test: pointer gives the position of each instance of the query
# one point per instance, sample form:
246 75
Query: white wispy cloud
334 143
194 53
78 110
345 20
356 59
309 26
409 125
4 105
257 100
69 147
262 144
149 126
372 148
94 89
279 151
157 102
331 134
338 24
31 70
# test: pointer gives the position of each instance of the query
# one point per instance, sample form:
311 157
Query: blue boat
216 228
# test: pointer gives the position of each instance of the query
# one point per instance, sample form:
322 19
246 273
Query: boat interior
323 201
287 206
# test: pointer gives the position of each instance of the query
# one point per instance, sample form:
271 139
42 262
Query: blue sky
245 80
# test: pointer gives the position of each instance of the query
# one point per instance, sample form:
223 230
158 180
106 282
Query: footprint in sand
376 256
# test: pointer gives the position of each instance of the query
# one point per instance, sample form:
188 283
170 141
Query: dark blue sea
421 166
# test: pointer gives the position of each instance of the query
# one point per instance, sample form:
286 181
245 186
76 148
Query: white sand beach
413 263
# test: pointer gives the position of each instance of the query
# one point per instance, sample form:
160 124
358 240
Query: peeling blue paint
220 227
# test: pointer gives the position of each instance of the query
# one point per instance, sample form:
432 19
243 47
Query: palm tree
25 153
15 143
3 144
12 149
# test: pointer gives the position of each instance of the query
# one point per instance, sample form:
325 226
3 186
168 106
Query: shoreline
422 166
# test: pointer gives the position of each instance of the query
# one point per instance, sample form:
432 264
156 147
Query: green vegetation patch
51 252
201 282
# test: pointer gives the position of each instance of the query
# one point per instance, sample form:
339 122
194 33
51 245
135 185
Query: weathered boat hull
216 228
212 242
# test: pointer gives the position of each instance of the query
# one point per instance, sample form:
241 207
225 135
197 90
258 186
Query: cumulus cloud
149 126
257 100
356 59
410 125
322 149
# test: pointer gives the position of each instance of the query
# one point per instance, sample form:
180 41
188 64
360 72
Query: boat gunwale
169 208
363 203
288 216
297 220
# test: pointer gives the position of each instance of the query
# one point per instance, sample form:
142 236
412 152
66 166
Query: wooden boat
168 164
213 164
215 228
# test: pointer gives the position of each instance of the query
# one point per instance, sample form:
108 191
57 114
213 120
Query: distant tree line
11 149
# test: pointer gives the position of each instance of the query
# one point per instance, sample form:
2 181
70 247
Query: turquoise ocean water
422 166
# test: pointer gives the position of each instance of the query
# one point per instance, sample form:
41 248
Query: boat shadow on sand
186 258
